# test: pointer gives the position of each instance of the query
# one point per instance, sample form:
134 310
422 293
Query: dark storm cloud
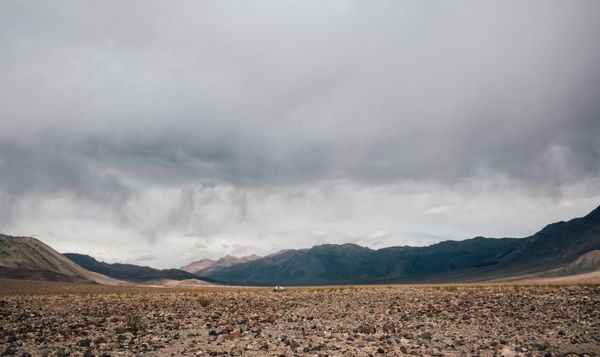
106 101
27 171
370 93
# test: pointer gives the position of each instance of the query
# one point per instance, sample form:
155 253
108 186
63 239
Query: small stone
100 340
426 335
542 345
508 352
367 329
10 351
233 334
86 342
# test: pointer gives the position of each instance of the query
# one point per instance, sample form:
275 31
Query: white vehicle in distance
278 289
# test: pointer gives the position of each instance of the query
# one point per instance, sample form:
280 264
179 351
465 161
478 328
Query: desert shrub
203 301
134 323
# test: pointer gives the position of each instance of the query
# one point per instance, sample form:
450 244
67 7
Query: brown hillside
28 258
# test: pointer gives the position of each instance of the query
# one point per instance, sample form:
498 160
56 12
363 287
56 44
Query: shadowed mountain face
475 259
28 258
563 242
129 272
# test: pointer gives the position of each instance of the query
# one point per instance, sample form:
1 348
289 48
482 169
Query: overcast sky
161 132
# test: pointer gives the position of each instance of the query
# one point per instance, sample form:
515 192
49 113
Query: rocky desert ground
329 321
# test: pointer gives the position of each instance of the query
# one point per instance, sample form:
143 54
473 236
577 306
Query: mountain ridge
129 272
30 259
558 249
475 259
204 266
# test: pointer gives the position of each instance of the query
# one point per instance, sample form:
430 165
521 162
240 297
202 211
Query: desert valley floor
329 321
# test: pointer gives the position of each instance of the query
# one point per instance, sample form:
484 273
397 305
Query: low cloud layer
190 130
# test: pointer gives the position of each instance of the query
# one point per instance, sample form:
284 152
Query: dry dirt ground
348 321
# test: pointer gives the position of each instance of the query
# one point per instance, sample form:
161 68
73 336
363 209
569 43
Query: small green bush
134 323
203 301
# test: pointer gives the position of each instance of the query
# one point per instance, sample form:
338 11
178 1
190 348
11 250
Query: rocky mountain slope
551 249
588 262
29 258
128 272
205 266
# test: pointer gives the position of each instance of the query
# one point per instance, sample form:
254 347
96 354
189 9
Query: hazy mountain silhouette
205 266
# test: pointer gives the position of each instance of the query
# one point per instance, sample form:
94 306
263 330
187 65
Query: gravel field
350 321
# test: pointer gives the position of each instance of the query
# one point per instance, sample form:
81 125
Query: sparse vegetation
134 323
203 301
411 320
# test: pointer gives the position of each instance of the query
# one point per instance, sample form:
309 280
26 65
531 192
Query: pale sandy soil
187 283
584 278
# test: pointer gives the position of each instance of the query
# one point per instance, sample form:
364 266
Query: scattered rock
86 342
100 340
367 329
9 351
508 352
426 335
542 345
411 321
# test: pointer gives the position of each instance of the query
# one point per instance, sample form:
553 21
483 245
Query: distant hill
28 258
198 265
128 272
551 249
205 266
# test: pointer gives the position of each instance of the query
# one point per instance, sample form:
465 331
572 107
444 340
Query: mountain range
559 249
129 272
548 252
27 258
203 267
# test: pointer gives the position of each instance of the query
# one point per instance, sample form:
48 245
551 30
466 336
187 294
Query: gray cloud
201 109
